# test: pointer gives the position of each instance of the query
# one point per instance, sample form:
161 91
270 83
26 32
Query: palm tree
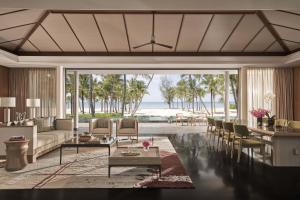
181 88
214 84
167 90
234 87
149 79
83 89
69 87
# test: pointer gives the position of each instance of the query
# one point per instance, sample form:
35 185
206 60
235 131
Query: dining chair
180 118
228 135
246 140
294 124
281 122
218 131
210 124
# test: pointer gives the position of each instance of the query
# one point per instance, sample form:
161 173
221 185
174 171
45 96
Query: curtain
18 87
284 93
259 84
42 85
33 83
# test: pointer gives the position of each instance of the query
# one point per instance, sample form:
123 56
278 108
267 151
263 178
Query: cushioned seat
100 126
127 127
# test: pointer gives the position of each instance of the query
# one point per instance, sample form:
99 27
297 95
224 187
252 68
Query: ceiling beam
11 41
288 27
235 27
126 31
251 40
43 17
12 27
11 12
34 45
271 29
291 41
289 12
179 32
269 46
53 40
100 32
203 37
192 54
153 11
69 25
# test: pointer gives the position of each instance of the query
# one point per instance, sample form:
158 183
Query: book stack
17 138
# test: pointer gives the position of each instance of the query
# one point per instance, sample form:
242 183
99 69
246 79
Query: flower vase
146 148
259 121
271 122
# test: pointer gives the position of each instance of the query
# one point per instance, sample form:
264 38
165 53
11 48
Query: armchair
101 127
127 127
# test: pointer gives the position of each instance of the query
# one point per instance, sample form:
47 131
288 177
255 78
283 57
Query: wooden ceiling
190 33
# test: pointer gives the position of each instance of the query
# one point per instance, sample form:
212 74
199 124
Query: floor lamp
32 104
6 103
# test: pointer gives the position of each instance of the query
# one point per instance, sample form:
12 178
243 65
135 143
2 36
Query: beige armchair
127 127
101 127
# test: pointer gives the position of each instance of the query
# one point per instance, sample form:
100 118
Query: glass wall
150 97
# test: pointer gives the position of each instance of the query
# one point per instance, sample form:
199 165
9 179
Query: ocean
154 105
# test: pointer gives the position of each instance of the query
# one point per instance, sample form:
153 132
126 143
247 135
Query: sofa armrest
64 124
92 124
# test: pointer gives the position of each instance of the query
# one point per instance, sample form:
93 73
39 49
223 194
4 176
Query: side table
16 155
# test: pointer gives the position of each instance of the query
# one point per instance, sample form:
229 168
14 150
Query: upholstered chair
127 127
246 140
101 127
294 124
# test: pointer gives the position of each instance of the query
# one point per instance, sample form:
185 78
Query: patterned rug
88 169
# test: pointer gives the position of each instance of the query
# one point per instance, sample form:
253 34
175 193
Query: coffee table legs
60 157
108 171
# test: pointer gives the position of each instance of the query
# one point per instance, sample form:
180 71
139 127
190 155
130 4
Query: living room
73 78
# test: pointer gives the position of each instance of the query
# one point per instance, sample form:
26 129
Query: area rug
88 169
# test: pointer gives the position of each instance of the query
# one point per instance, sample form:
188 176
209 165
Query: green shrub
232 106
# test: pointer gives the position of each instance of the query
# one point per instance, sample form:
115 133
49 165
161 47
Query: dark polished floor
214 175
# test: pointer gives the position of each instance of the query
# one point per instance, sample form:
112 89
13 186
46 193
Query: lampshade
7 102
33 103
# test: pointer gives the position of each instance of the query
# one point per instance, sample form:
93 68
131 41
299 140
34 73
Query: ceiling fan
152 41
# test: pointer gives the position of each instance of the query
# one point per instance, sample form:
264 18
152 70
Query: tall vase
259 121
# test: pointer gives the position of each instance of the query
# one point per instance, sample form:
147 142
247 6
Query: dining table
284 142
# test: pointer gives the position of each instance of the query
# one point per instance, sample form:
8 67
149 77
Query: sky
154 91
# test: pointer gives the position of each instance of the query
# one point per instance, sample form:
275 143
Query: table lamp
32 104
6 103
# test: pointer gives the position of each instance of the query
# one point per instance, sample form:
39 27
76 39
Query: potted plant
259 114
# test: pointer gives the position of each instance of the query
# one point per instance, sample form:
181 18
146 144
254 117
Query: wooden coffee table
97 142
150 158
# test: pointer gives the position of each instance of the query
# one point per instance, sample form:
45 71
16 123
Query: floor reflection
212 170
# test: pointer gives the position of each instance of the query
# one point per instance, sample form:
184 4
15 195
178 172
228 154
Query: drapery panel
42 85
284 91
18 87
259 84
33 83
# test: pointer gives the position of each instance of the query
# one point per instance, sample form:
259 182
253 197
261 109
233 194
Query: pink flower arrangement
259 113
146 143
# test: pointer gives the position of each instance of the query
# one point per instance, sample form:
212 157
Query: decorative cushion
128 123
102 123
43 124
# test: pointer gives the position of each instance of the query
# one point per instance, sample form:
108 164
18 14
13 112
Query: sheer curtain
42 85
259 84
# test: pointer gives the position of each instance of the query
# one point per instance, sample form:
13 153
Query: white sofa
40 143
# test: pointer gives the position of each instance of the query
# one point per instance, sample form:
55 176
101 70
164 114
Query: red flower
146 144
260 112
